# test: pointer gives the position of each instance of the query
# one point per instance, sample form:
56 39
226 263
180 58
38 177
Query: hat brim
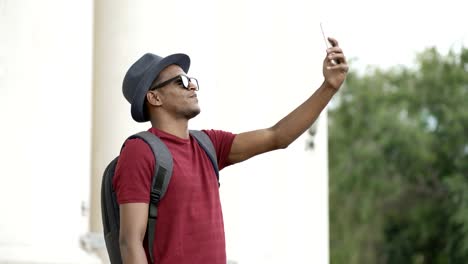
138 106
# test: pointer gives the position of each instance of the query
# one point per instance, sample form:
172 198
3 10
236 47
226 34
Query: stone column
117 29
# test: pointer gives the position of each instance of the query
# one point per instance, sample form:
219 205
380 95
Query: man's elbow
127 244
281 143
131 249
123 243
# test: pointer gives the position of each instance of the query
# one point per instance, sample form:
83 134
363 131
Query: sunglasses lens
185 81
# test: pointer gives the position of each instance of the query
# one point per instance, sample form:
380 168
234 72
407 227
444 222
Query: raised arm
283 133
133 221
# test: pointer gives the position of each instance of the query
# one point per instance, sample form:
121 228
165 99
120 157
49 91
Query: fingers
336 61
333 42
335 53
334 50
341 67
336 58
335 47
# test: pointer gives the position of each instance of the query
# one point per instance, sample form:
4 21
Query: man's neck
176 128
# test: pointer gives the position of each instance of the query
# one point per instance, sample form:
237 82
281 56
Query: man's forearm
298 121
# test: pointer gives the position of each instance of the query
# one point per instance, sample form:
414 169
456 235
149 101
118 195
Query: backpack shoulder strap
163 163
161 178
207 145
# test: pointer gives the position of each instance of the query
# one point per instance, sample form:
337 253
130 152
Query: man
190 224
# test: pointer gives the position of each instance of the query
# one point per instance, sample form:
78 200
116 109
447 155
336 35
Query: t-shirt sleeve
133 174
222 142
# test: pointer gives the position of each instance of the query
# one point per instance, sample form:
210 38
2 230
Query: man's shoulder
217 132
135 146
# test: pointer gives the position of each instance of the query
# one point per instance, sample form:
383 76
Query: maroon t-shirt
190 226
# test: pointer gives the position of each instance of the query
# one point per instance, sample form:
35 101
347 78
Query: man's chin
193 113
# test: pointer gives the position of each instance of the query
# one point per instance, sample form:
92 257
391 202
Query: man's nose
192 86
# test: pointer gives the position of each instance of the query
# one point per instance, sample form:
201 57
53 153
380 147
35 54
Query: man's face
178 101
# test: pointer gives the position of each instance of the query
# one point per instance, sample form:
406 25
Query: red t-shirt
190 226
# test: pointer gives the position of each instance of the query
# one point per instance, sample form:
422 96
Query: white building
64 118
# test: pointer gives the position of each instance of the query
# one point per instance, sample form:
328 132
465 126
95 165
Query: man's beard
189 114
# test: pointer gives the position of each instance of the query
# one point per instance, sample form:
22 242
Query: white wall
45 109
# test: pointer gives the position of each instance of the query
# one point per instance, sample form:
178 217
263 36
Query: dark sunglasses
182 79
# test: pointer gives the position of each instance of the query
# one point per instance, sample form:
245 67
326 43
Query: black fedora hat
142 74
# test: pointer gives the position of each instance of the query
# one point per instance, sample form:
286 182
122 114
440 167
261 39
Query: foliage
398 143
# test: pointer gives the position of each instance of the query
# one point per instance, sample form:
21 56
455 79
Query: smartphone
327 43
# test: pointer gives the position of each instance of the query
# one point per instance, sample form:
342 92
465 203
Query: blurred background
379 178
398 134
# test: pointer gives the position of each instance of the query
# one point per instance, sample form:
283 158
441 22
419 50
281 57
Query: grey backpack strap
207 145
161 178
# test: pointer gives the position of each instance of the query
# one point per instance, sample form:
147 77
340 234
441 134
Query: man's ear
154 98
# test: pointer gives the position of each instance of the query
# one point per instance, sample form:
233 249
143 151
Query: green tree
398 144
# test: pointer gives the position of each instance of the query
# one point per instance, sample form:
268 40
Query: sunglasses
182 80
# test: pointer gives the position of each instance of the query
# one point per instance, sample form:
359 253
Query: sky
387 33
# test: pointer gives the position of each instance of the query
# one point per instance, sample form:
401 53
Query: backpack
161 177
